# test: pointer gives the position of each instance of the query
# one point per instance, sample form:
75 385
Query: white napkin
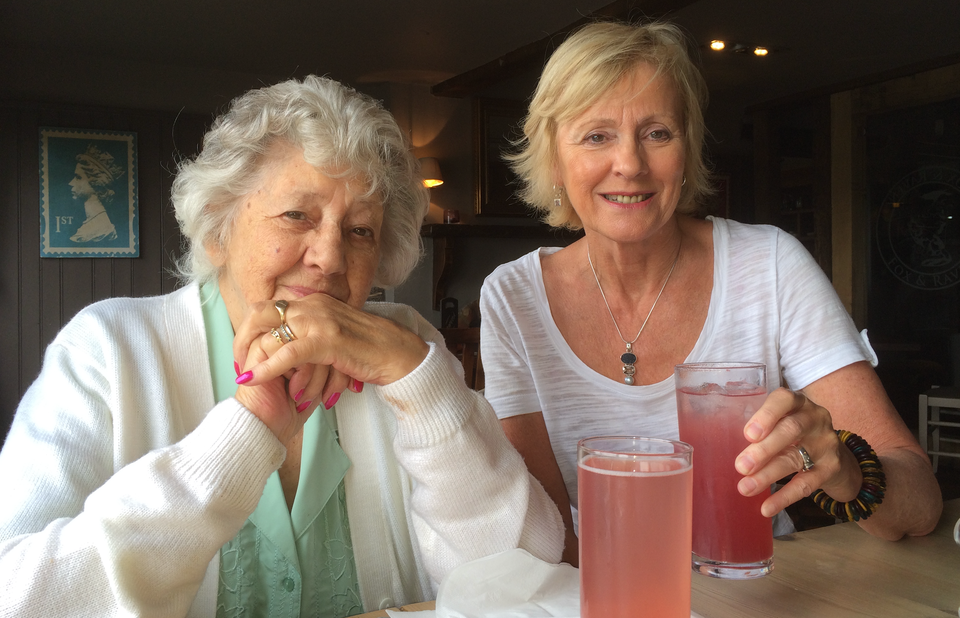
512 584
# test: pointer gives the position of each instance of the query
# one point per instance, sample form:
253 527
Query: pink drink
731 538
635 518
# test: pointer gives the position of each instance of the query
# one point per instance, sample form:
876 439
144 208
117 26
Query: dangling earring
557 196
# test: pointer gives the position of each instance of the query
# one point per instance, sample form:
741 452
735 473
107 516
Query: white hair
342 132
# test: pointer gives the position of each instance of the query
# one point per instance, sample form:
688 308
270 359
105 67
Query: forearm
913 502
474 496
143 540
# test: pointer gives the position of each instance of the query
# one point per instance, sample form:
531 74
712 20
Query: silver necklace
628 358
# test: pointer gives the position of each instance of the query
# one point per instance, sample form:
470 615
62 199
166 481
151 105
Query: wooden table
841 571
416 607
837 572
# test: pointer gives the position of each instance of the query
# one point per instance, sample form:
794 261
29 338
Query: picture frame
496 126
88 193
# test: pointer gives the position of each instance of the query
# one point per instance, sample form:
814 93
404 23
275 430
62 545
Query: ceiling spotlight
760 51
717 45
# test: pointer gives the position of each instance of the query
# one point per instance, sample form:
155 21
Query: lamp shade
430 169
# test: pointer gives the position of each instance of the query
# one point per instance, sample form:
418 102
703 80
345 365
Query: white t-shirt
770 303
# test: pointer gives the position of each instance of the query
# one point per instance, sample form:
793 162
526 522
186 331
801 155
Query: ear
216 253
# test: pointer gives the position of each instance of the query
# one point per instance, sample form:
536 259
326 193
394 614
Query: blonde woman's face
621 161
302 232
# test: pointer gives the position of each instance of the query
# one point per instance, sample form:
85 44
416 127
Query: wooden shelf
444 237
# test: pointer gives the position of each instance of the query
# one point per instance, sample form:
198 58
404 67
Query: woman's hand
785 420
269 401
336 347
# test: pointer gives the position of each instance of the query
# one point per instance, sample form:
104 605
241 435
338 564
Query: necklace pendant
629 359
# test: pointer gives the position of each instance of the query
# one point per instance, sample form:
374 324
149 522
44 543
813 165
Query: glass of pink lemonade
731 538
635 503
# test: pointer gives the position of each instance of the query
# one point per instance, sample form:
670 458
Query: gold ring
276 335
281 306
284 328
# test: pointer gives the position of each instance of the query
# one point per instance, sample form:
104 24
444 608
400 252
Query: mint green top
286 563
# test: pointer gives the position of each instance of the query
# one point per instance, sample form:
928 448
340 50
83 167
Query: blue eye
596 138
660 135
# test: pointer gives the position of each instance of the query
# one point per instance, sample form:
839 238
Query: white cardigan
120 479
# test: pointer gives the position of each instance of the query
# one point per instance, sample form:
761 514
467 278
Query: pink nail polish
299 395
303 406
358 386
245 377
334 398
236 367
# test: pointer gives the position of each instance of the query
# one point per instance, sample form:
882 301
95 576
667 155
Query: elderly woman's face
301 233
621 161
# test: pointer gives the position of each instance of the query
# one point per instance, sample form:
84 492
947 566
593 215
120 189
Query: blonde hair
582 70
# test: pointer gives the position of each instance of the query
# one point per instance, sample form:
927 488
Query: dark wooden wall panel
38 296
30 311
9 261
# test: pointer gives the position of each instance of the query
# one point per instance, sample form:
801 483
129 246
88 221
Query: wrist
872 488
850 478
407 358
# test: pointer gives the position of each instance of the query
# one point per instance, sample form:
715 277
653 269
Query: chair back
465 345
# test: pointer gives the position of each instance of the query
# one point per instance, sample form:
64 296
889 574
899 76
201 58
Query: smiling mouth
629 199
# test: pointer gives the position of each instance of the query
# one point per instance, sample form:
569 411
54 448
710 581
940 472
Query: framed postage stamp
88 193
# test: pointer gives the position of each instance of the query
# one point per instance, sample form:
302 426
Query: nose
630 159
325 250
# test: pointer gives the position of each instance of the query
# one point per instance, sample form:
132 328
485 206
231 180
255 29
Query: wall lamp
430 169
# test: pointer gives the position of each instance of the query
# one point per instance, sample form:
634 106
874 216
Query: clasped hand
787 419
337 347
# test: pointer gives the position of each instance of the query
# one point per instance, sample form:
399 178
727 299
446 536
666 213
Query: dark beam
536 53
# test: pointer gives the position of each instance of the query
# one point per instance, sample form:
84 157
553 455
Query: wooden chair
933 403
465 345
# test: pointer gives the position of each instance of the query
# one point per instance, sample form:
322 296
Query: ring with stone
276 335
807 461
281 306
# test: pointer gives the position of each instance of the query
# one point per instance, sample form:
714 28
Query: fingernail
747 486
245 377
753 431
329 403
236 367
744 464
299 395
358 386
303 406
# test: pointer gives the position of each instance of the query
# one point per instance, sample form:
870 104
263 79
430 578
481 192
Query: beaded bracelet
871 491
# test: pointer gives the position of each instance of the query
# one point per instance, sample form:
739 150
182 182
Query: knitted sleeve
473 495
83 531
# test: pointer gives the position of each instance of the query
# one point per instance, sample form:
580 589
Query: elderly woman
172 458
613 145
